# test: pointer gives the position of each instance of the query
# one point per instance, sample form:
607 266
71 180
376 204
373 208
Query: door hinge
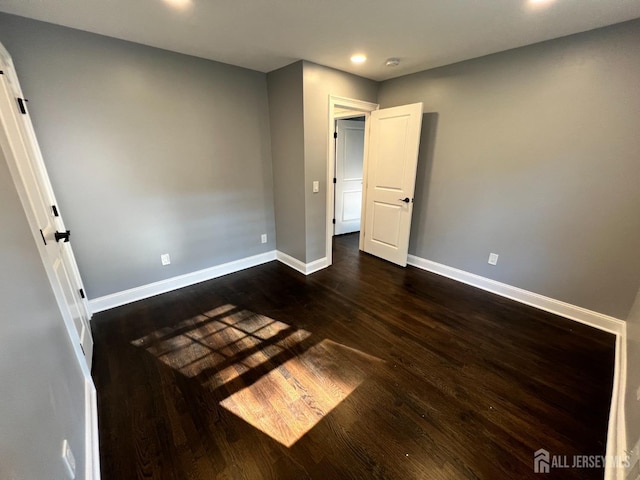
1 72
335 134
82 348
334 180
82 293
21 102
42 234
54 209
334 221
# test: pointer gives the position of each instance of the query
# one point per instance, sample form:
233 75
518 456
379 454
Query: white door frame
354 108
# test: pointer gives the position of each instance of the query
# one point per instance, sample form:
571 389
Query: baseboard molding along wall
573 312
145 291
617 429
304 268
118 299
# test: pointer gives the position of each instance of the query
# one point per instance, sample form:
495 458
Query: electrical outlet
263 238
165 259
493 258
316 186
69 459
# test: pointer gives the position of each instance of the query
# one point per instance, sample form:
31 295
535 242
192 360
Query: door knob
63 236
405 199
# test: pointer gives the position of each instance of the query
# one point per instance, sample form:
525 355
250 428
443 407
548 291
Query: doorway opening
346 167
349 163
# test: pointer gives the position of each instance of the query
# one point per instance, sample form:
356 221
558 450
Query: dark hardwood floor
363 370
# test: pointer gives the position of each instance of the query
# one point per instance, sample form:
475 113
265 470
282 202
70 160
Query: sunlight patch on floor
226 339
273 375
290 400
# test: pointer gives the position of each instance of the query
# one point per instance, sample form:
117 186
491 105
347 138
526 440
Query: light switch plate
493 258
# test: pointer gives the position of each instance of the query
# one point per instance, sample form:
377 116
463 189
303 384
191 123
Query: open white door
20 147
391 176
22 153
349 160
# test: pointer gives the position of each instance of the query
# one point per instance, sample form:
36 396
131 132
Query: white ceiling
267 34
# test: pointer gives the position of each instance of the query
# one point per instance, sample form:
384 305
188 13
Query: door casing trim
358 108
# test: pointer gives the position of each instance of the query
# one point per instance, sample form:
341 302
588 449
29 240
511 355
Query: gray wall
287 151
529 153
319 83
299 115
632 406
42 385
535 156
149 152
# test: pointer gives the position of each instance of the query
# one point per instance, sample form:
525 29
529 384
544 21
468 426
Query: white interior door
21 150
391 176
349 160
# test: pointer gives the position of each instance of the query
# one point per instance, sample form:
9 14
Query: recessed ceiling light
179 4
539 3
358 58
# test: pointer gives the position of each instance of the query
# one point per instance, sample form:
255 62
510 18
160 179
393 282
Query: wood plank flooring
363 370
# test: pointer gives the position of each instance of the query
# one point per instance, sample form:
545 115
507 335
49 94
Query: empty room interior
289 240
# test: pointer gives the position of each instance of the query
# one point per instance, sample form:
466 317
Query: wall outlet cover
69 459
263 238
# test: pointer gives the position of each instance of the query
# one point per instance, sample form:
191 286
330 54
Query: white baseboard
304 268
573 312
145 291
317 265
617 430
92 448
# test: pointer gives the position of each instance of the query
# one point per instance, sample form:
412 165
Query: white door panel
349 160
18 141
74 300
386 224
352 206
391 177
389 165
